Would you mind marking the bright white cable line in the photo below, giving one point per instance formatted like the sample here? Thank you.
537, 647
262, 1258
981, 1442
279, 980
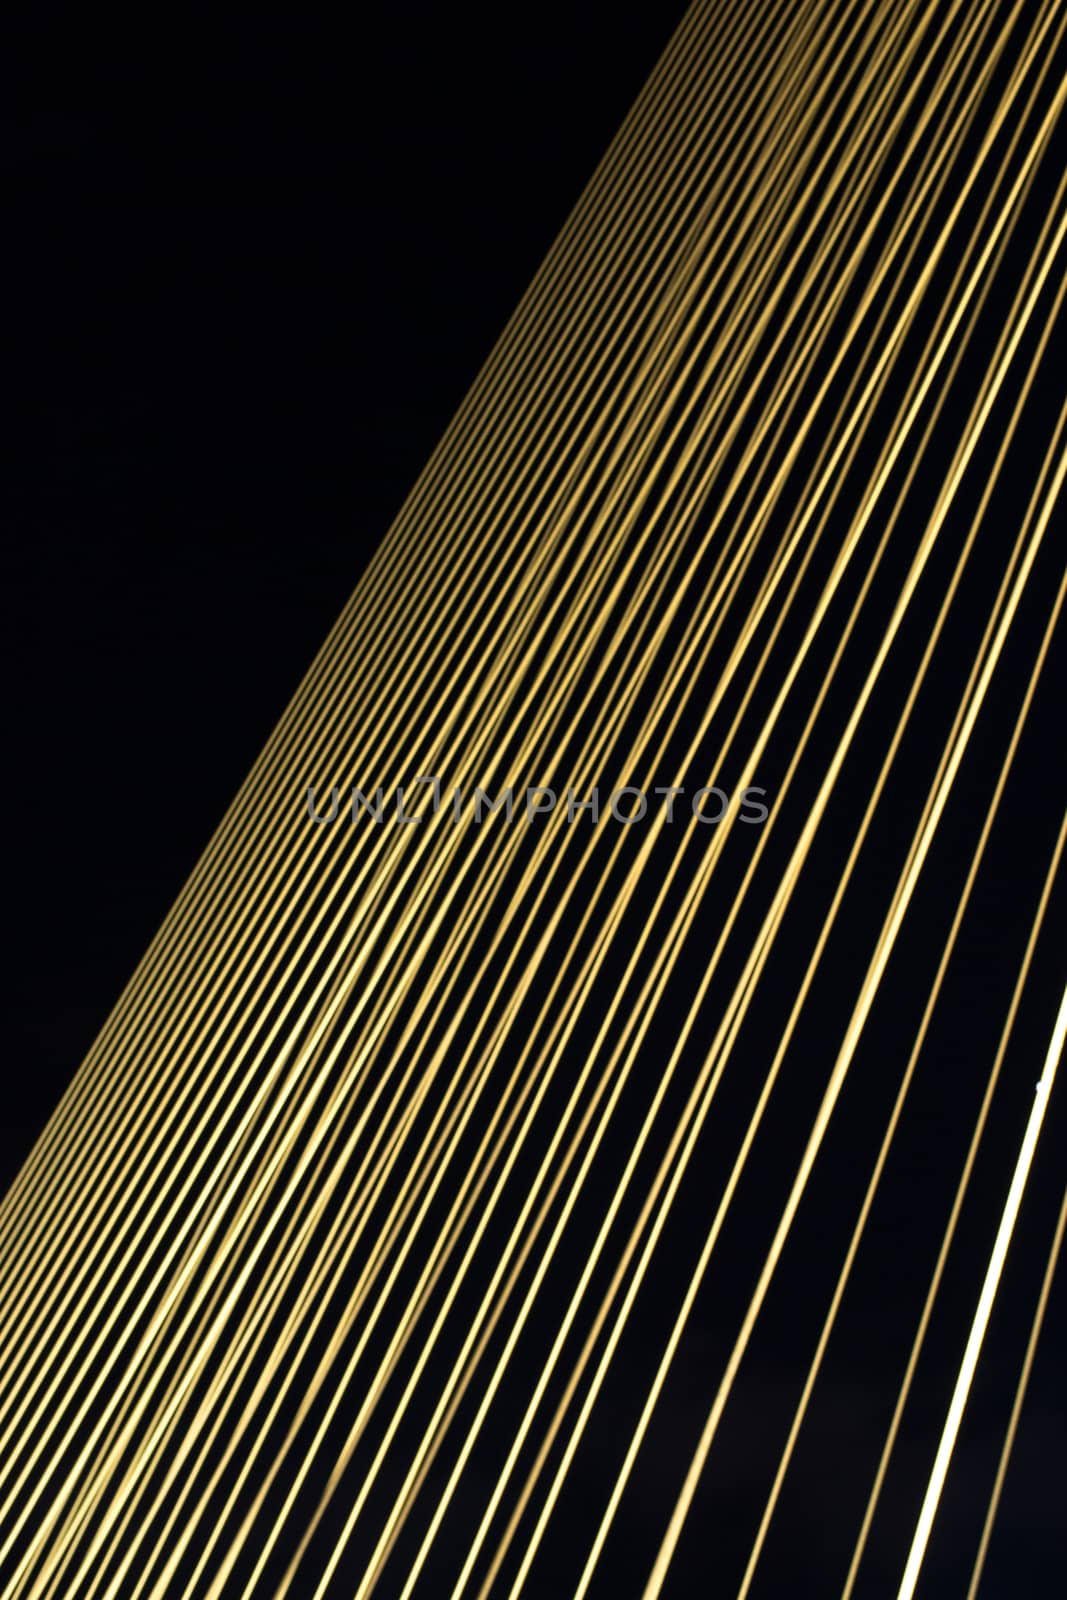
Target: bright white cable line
1020, 1397
984, 1307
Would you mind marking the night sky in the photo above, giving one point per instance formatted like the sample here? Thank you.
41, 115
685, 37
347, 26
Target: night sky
252, 273
254, 269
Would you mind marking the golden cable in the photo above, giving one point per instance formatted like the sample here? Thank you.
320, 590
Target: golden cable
343, 1101
935, 805
801, 743
902, 1092
737, 1170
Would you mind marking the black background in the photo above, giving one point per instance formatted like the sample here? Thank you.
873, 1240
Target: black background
252, 269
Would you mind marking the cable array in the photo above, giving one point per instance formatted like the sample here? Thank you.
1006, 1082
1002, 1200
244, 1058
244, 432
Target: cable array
472, 1201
